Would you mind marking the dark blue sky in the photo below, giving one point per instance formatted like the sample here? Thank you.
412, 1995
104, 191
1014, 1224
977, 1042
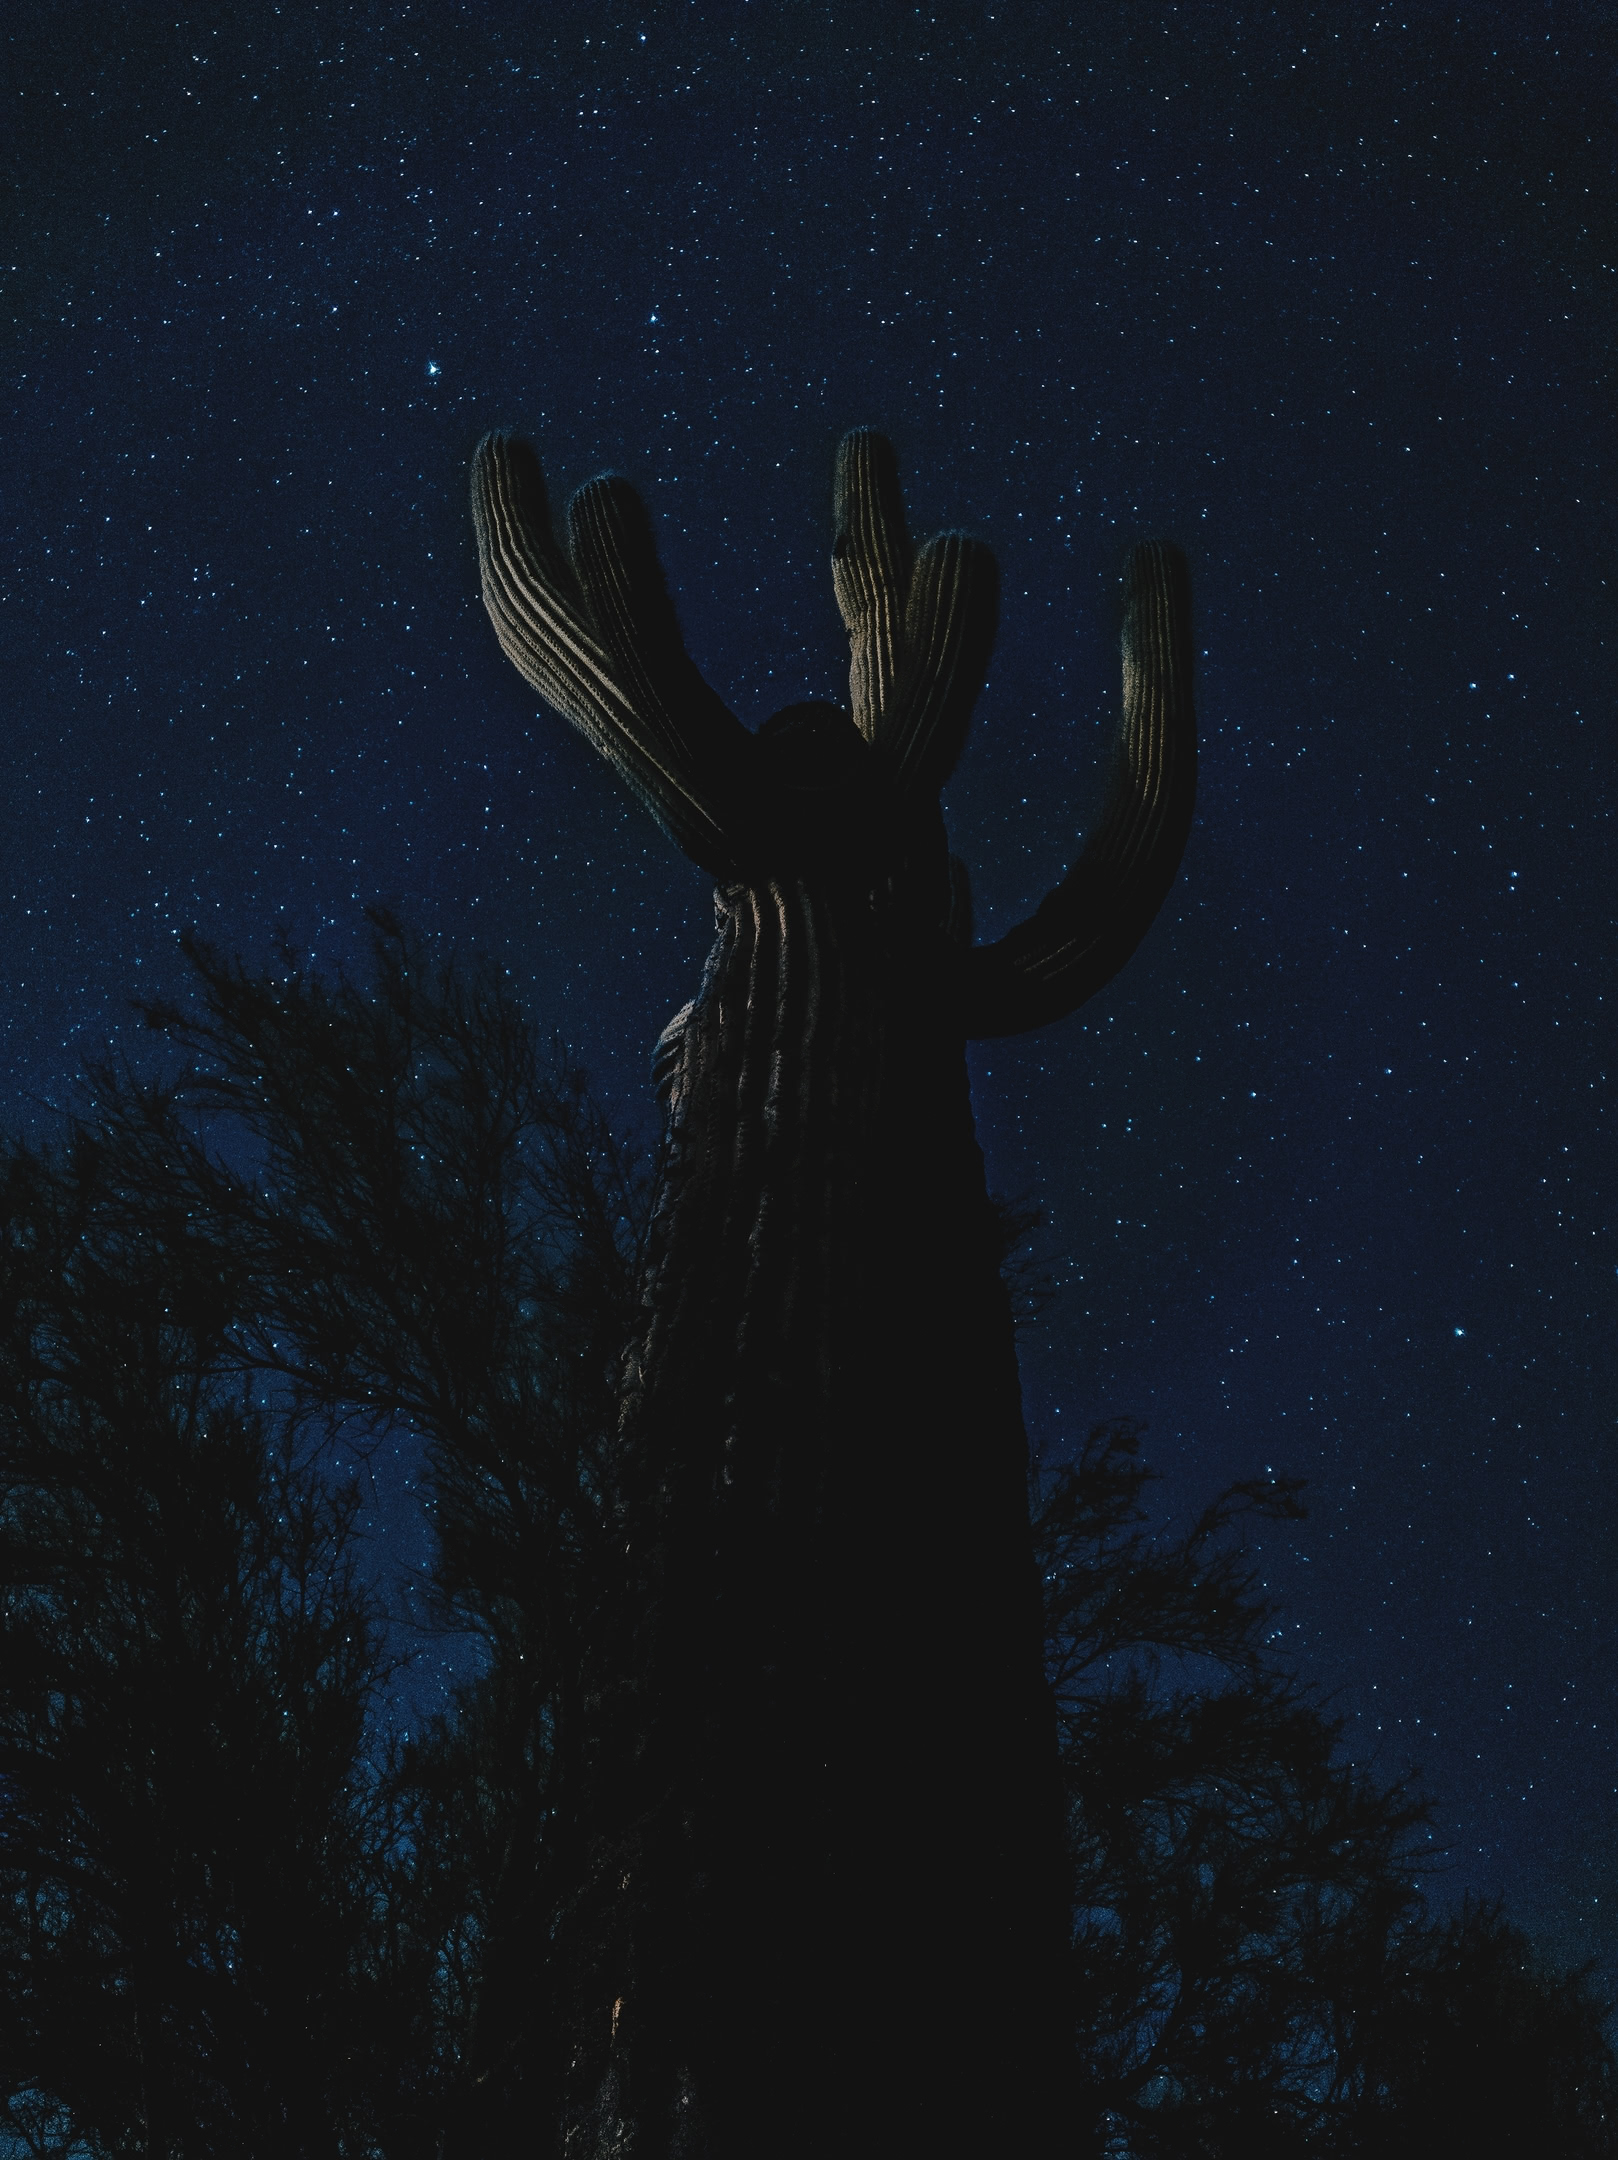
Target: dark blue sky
1323, 293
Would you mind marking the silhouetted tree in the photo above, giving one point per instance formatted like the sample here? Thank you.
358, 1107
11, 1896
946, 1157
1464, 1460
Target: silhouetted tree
351, 1209
192, 1839
1256, 1974
1474, 2045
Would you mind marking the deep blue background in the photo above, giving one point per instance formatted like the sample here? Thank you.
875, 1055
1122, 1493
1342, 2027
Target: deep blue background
1324, 293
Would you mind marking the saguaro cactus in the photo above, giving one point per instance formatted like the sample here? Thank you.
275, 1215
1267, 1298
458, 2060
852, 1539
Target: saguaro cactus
828, 1908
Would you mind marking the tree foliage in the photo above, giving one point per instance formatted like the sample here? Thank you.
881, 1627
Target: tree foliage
195, 1842
241, 1913
1255, 1969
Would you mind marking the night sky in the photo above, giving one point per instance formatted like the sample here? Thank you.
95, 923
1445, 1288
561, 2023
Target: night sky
1325, 294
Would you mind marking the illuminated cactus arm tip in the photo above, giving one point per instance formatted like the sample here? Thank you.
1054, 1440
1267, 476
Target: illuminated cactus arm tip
595, 633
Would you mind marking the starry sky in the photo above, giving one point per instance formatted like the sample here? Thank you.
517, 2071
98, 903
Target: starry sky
1324, 293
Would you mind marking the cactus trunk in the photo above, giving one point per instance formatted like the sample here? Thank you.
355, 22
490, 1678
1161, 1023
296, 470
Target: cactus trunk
839, 1907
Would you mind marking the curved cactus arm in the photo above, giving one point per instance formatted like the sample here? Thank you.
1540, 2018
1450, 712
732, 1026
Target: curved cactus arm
598, 639
950, 621
921, 627
1082, 933
870, 570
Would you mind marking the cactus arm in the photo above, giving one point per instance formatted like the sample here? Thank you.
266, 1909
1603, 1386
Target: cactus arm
921, 627
1082, 932
950, 621
870, 568
615, 558
599, 641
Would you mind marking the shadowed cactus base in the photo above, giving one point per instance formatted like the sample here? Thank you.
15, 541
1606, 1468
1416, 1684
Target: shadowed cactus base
828, 1904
